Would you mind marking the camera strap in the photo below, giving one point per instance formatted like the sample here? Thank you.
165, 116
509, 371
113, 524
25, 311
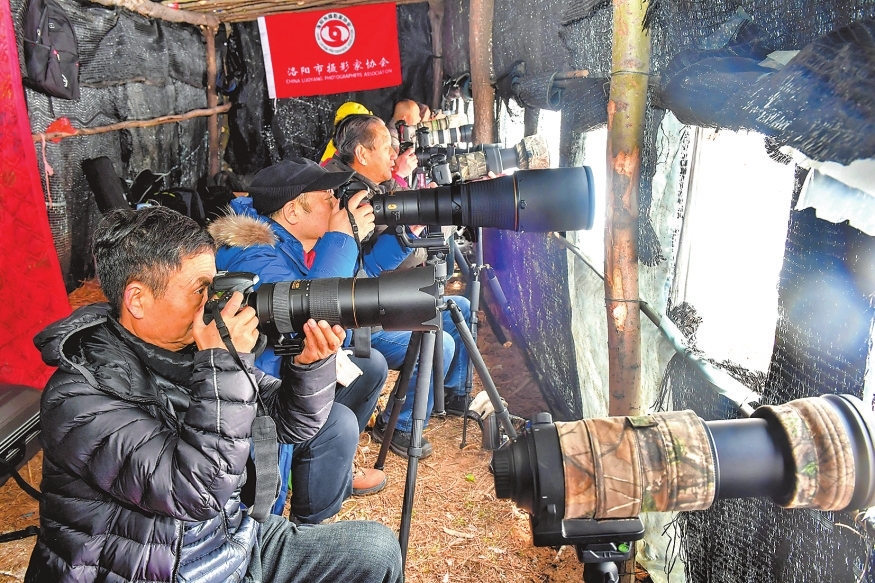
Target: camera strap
361, 337
264, 439
359, 264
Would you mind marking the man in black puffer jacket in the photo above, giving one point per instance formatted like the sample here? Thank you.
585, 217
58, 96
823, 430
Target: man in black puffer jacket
146, 429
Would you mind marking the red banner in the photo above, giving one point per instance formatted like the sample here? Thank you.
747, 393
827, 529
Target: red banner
331, 51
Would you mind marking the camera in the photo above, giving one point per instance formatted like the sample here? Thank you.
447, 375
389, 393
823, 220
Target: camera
553, 199
447, 130
396, 300
348, 189
445, 165
809, 453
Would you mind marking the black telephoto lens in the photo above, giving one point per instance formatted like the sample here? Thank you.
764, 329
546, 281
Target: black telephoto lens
555, 199
396, 300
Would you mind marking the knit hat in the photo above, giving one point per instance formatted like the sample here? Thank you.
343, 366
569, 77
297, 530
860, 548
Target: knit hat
349, 108
278, 184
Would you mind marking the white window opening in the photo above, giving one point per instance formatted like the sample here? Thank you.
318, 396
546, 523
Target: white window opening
732, 245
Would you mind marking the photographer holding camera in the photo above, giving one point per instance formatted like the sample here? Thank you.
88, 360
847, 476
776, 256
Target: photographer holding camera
148, 421
364, 146
292, 226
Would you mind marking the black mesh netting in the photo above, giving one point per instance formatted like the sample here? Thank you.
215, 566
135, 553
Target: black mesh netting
132, 68
265, 131
822, 343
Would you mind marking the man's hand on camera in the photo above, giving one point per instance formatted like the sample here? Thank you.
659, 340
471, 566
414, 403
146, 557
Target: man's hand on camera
242, 326
405, 163
320, 341
362, 214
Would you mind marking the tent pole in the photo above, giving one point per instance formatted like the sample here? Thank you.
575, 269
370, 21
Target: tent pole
626, 107
480, 43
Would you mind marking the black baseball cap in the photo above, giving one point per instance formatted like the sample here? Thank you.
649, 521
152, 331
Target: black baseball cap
278, 184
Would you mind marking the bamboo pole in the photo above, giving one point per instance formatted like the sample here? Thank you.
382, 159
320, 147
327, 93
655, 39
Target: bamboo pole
134, 123
626, 108
480, 43
212, 101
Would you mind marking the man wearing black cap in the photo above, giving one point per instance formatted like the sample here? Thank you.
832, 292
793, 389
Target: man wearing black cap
292, 227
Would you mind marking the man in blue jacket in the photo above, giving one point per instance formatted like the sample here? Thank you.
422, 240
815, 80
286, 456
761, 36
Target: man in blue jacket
290, 227
148, 421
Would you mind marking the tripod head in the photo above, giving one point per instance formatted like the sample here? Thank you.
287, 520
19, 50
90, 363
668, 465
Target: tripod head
600, 544
437, 249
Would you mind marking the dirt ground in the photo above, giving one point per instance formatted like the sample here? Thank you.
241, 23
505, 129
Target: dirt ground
459, 531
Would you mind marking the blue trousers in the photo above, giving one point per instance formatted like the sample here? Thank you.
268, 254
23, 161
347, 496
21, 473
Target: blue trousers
393, 345
352, 551
321, 467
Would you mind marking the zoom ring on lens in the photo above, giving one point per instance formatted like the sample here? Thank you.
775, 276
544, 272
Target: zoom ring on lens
280, 307
323, 300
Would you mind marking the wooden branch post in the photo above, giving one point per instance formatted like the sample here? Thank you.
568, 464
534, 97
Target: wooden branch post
626, 107
480, 44
436, 17
212, 101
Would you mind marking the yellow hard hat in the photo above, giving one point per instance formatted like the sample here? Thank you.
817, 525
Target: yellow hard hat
349, 108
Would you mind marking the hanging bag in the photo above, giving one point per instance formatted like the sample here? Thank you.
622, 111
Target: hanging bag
51, 54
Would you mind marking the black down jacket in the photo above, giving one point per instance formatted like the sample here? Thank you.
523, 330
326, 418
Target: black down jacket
144, 454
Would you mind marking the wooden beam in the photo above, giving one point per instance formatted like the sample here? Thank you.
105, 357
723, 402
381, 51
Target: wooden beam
246, 10
162, 12
133, 123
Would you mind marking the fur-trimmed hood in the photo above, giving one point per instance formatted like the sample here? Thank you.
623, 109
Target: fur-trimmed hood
242, 230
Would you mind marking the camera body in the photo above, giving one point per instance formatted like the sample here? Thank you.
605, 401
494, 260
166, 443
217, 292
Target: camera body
223, 286
348, 189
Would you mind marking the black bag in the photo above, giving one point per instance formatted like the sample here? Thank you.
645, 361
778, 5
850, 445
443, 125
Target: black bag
51, 54
185, 201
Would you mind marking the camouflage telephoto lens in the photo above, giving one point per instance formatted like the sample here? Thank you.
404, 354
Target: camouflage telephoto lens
809, 453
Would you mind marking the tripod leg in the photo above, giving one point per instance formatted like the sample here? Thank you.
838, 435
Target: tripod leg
399, 396
438, 371
474, 298
500, 412
420, 405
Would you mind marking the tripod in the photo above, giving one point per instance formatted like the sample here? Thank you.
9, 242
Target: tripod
474, 273
422, 344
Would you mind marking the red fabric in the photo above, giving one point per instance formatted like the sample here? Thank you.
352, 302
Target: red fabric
323, 52
31, 285
309, 258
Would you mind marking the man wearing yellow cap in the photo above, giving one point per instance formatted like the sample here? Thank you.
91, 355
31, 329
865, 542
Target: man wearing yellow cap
345, 109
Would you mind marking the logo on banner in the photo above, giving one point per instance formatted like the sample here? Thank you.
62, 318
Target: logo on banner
323, 52
335, 33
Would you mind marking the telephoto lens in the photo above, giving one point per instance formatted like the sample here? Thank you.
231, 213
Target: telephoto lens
396, 300
809, 453
554, 199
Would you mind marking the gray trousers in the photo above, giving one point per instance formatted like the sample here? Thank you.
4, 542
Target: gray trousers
352, 551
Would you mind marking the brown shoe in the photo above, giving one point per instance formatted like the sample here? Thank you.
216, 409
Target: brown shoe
367, 481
